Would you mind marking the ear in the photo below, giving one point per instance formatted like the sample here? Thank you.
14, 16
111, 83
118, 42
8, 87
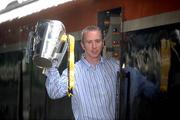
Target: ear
82, 45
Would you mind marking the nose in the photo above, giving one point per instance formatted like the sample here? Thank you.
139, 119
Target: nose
94, 44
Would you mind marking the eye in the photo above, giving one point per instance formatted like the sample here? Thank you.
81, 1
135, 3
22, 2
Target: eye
89, 42
98, 40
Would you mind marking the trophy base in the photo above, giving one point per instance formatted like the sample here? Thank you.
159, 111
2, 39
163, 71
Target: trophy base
42, 62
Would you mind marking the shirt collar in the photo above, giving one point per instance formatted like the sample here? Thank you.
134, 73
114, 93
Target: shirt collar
88, 65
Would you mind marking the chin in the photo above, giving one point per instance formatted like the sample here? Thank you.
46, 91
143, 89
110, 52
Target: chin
96, 56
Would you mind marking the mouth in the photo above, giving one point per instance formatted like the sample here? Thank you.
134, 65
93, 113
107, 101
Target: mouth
94, 51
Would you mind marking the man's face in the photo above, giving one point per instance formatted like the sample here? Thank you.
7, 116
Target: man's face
92, 44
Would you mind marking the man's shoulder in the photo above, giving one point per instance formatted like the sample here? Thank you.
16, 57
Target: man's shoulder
111, 59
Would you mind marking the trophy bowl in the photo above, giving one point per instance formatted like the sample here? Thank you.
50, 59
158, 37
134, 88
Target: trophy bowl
46, 42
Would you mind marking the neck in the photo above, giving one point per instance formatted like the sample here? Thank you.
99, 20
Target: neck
93, 61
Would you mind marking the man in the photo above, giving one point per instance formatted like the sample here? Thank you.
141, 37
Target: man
95, 80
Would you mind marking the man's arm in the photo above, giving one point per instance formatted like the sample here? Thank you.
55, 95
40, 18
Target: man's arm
56, 85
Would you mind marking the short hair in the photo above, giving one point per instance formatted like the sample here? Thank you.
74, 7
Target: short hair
88, 29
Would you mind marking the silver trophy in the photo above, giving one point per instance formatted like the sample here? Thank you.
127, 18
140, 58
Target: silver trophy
45, 45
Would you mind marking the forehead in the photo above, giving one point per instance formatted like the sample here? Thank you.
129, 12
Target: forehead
95, 34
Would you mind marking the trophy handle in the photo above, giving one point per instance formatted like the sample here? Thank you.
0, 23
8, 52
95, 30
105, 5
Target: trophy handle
29, 49
62, 50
